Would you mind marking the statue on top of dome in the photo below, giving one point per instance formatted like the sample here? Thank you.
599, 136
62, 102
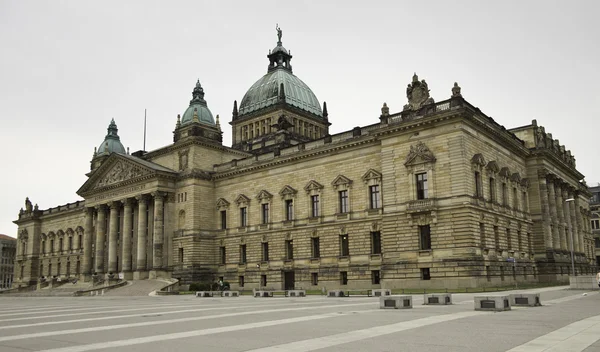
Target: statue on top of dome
279, 33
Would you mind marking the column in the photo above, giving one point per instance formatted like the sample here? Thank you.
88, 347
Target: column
142, 234
126, 235
580, 224
100, 238
87, 241
158, 229
553, 215
112, 236
572, 209
544, 204
560, 211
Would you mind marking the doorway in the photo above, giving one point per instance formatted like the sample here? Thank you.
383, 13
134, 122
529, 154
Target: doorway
289, 281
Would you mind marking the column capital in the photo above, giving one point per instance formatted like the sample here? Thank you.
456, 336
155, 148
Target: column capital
127, 202
142, 198
159, 195
101, 207
114, 205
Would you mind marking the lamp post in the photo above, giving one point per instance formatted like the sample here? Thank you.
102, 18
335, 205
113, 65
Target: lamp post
572, 253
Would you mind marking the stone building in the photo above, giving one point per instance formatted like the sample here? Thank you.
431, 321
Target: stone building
435, 195
8, 248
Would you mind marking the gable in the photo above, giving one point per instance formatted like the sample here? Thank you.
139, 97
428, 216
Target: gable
242, 199
119, 169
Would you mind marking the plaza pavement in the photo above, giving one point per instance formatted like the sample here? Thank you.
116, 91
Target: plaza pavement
567, 321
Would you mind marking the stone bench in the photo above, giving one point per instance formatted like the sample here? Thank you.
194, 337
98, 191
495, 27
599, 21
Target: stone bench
336, 293
205, 293
525, 299
295, 293
264, 293
493, 303
437, 298
395, 302
381, 292
231, 294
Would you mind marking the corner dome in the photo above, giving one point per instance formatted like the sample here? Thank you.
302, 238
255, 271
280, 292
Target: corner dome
112, 142
280, 85
197, 107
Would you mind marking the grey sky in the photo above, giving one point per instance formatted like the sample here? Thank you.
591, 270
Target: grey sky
68, 67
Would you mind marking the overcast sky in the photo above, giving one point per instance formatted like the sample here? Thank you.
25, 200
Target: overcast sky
68, 67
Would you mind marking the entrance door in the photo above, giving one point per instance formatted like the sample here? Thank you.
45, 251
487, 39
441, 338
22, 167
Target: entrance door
288, 280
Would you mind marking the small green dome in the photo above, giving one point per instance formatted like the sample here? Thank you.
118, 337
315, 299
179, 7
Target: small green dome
197, 106
112, 142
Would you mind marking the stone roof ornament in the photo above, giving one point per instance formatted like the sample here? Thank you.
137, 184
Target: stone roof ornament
279, 33
28, 207
456, 90
385, 111
418, 94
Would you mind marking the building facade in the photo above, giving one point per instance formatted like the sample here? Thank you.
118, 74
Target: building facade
8, 249
435, 195
595, 220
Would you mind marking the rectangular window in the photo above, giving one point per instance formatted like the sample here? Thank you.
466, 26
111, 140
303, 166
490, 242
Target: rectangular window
51, 246
181, 255
314, 279
375, 197
60, 244
80, 241
344, 246
223, 219
343, 278
314, 201
265, 213
243, 254
496, 237
597, 242
524, 200
243, 217
508, 239
265, 251
289, 209
263, 280
502, 273
70, 243
240, 281
478, 186
375, 277
515, 199
482, 234
492, 189
424, 237
289, 249
422, 188
504, 194
222, 255
488, 275
425, 274
43, 247
315, 247
519, 241
375, 242
343, 199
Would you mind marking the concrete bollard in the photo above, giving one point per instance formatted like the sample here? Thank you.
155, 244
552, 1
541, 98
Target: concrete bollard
437, 298
525, 299
395, 302
492, 303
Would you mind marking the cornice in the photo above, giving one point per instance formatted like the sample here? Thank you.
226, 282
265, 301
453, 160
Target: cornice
279, 106
192, 141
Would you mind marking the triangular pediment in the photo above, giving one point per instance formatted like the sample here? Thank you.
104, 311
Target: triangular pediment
341, 180
241, 199
264, 195
419, 154
121, 169
287, 191
222, 203
371, 174
313, 185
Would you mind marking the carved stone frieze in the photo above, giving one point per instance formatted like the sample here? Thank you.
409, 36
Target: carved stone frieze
121, 171
419, 154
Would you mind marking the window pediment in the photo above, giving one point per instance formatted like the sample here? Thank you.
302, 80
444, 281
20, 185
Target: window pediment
371, 175
492, 167
313, 185
341, 180
419, 154
505, 172
287, 191
242, 199
264, 196
478, 160
515, 177
222, 203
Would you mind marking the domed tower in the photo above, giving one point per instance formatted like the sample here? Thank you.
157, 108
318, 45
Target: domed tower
278, 110
197, 120
111, 144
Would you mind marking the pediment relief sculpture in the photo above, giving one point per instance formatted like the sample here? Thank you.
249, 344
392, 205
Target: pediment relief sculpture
313, 185
341, 180
371, 175
264, 195
242, 199
120, 171
419, 154
287, 191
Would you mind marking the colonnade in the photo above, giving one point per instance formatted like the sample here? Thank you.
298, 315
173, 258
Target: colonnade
111, 227
563, 209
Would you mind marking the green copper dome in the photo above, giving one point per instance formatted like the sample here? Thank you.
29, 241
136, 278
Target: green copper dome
112, 142
197, 107
279, 85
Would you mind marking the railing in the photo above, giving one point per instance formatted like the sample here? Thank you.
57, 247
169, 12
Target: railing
421, 204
